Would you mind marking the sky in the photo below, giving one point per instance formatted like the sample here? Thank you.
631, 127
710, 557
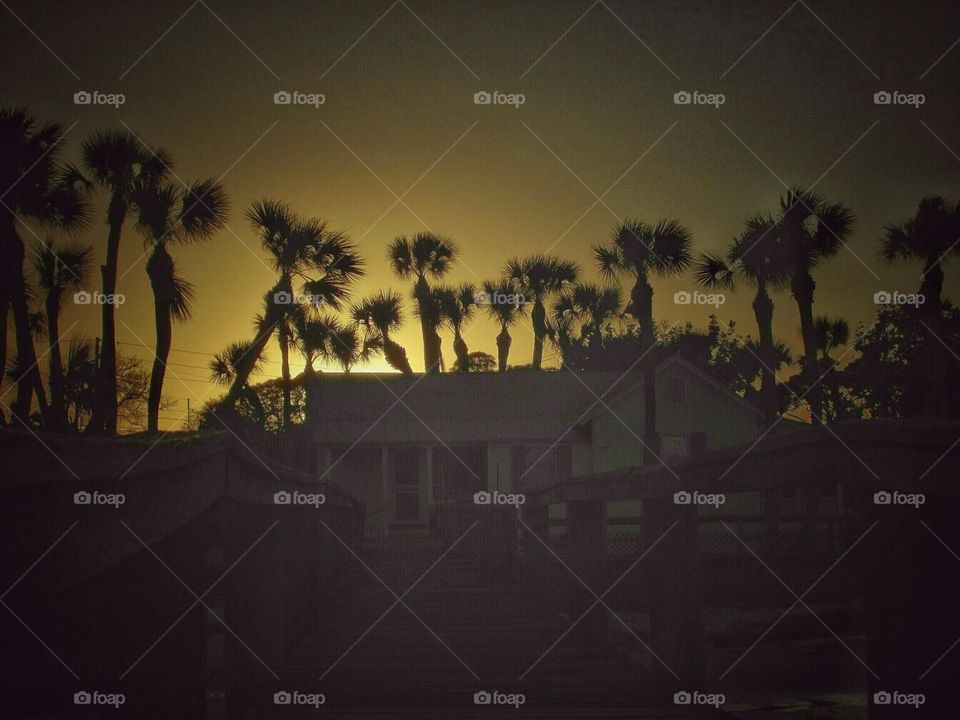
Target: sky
399, 145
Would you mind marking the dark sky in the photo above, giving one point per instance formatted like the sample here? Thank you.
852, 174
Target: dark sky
599, 81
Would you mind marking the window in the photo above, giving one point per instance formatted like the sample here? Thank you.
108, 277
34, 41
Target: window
673, 389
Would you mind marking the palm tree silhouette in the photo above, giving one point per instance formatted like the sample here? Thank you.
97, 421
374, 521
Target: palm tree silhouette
424, 256
504, 305
117, 162
224, 368
757, 257
812, 231
169, 215
58, 271
348, 347
931, 237
832, 333
457, 306
590, 307
540, 277
381, 315
639, 249
35, 186
324, 261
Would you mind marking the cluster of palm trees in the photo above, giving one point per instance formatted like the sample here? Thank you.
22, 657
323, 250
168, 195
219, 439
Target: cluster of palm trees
309, 309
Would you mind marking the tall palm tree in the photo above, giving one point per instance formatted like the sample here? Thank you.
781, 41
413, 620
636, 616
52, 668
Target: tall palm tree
540, 277
831, 335
169, 215
80, 377
224, 368
504, 305
640, 250
931, 237
458, 306
424, 256
315, 338
590, 307
305, 251
59, 270
812, 231
381, 315
36, 187
756, 256
117, 162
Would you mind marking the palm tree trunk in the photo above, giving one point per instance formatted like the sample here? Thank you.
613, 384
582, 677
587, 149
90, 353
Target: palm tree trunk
245, 366
803, 286
641, 298
28, 374
539, 317
58, 400
285, 372
105, 406
395, 355
503, 348
164, 333
461, 350
763, 311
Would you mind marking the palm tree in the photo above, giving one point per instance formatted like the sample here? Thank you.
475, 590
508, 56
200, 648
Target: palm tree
831, 334
540, 277
381, 315
424, 256
58, 271
168, 215
756, 256
224, 368
458, 305
929, 236
640, 250
80, 377
322, 260
34, 186
812, 230
504, 305
348, 347
117, 162
589, 306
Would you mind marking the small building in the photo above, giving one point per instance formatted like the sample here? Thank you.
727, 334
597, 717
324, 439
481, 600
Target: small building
403, 445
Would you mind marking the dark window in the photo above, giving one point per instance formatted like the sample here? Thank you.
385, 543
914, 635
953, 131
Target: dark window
673, 390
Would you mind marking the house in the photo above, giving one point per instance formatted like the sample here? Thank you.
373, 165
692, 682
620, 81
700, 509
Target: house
403, 445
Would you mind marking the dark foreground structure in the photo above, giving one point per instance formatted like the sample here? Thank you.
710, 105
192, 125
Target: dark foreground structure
814, 573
